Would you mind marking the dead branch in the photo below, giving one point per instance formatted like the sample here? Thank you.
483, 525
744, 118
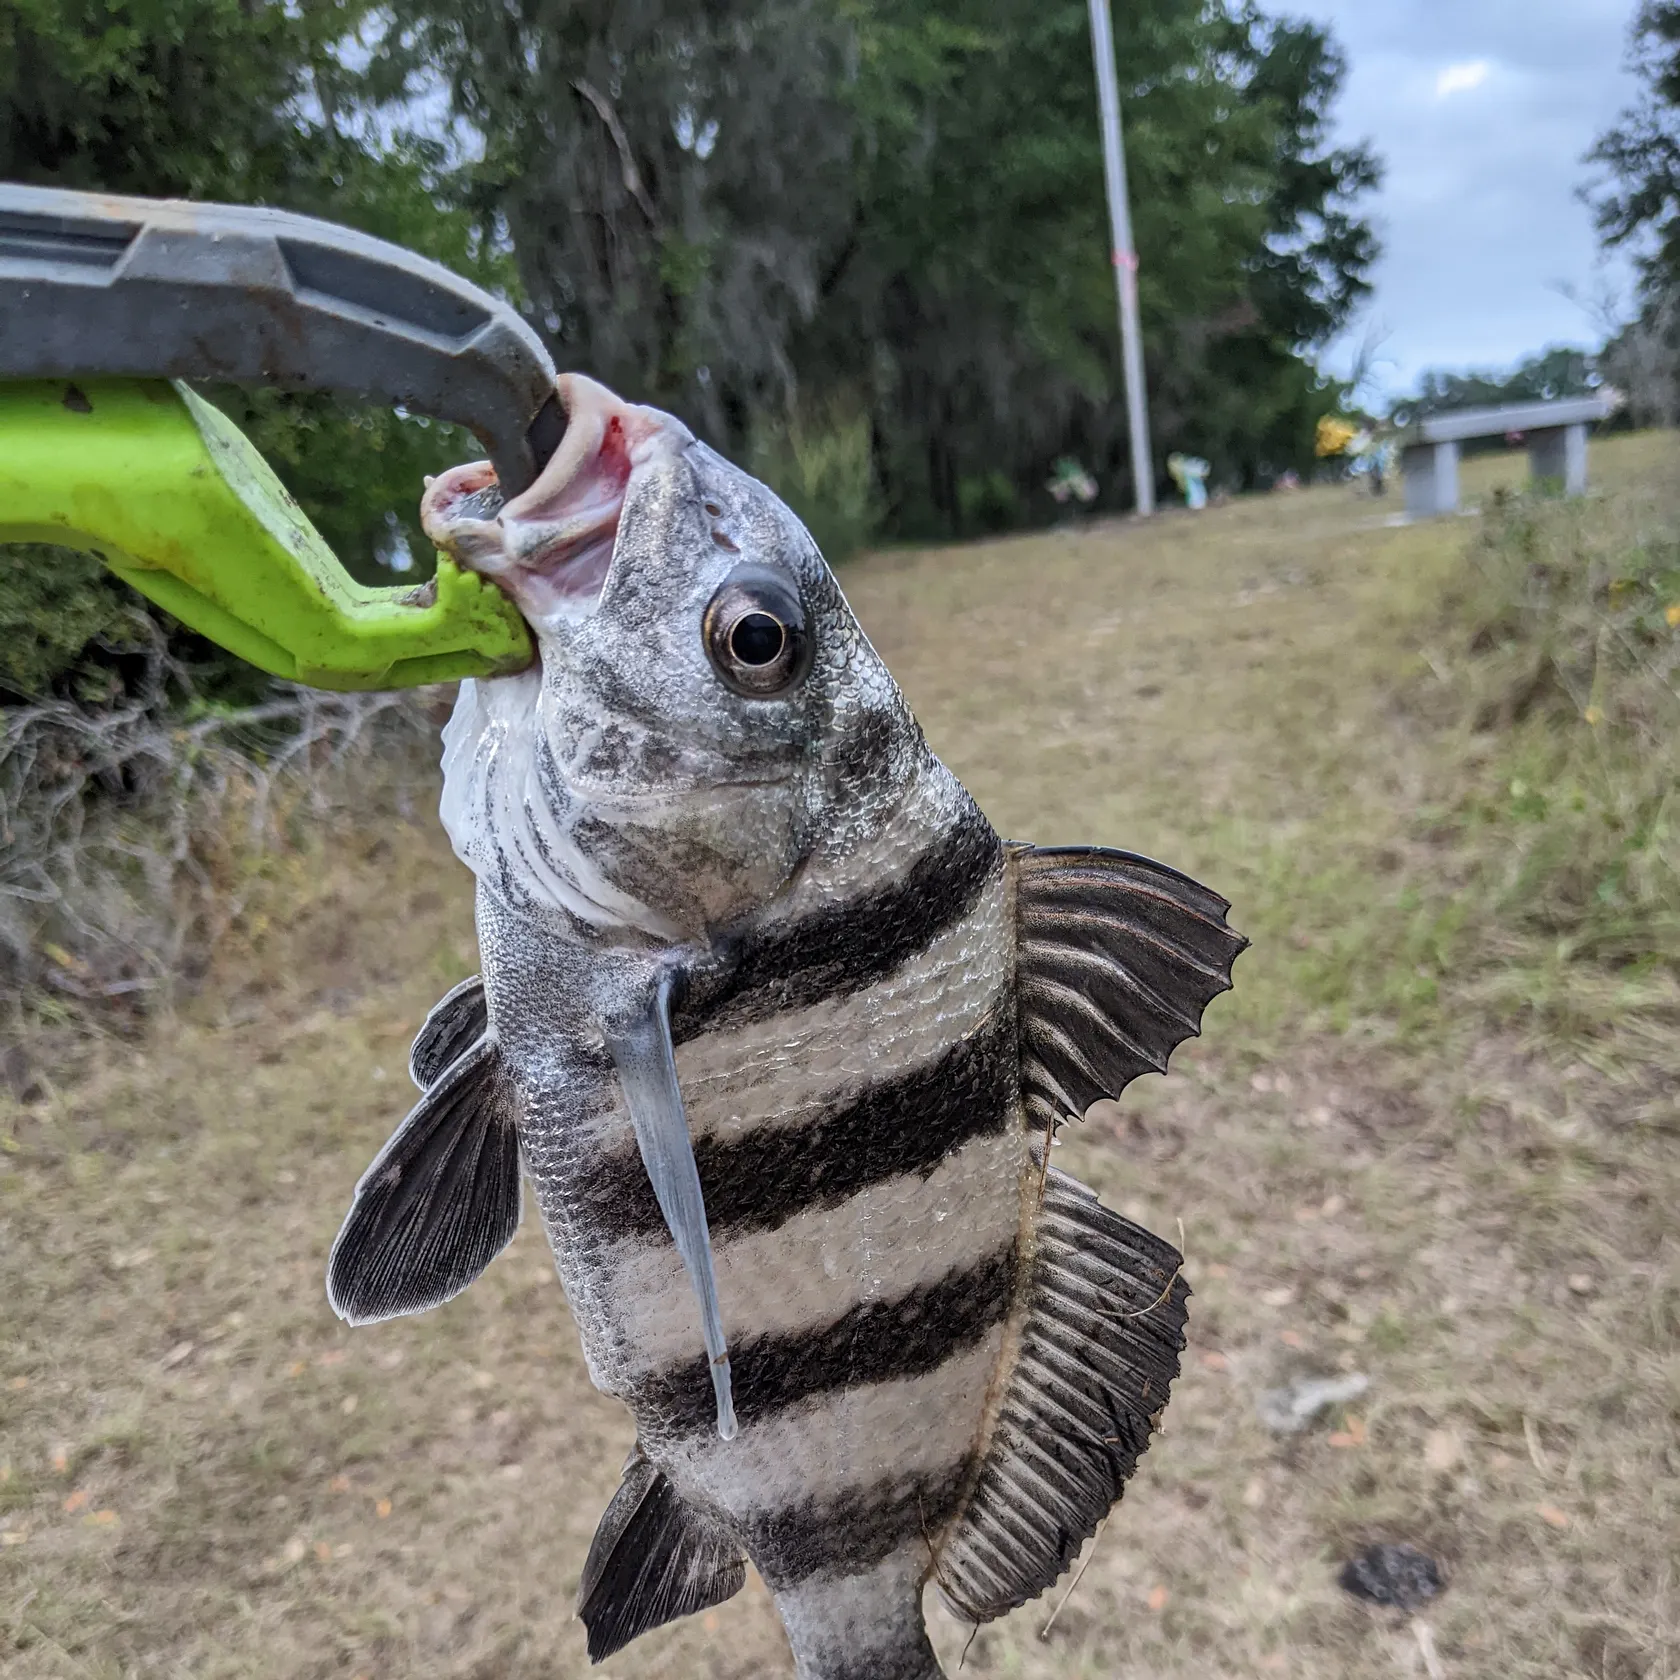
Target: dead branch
111, 819
627, 162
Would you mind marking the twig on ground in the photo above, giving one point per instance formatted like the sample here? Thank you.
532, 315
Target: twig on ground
1073, 1586
1425, 1637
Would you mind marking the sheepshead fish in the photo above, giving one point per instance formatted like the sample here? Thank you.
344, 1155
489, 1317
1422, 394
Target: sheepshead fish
780, 1031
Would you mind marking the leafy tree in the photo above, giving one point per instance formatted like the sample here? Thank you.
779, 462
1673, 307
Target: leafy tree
1642, 361
196, 98
670, 177
1555, 373
862, 243
775, 215
1640, 201
250, 101
977, 269
1638, 205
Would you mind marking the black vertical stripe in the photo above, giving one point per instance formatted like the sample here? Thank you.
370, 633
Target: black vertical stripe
842, 948
855, 1530
905, 1124
909, 1658
874, 1342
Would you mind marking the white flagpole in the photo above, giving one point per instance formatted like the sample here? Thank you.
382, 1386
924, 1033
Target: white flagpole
1125, 258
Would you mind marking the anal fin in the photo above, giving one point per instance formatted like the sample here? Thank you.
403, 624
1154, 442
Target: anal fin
654, 1558
1099, 1349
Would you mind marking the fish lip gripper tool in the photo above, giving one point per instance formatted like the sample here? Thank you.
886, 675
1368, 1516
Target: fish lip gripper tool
109, 304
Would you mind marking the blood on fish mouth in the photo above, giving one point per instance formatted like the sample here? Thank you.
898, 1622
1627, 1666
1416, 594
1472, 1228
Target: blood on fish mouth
485, 504
551, 546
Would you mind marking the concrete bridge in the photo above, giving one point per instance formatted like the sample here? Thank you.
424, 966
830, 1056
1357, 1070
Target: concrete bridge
1556, 433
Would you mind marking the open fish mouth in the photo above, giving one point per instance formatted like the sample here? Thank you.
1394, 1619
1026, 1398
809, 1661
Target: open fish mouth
551, 547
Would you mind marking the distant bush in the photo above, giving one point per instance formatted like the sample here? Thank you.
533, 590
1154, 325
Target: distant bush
822, 465
987, 502
1570, 619
55, 603
71, 630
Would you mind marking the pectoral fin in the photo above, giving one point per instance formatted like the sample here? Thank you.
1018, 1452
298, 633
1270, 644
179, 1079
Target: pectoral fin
653, 1559
439, 1203
640, 1046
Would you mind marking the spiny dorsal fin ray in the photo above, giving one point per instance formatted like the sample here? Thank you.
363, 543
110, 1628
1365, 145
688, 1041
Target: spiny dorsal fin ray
652, 1560
1118, 957
457, 1022
1098, 1353
439, 1203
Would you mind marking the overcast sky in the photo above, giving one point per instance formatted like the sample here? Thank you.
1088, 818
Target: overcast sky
1481, 110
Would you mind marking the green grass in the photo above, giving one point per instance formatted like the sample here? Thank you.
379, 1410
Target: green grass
1430, 1136
1567, 624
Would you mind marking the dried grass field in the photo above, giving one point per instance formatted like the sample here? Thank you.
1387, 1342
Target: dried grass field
1431, 1137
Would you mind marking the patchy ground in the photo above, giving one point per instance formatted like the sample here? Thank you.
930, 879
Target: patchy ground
202, 1473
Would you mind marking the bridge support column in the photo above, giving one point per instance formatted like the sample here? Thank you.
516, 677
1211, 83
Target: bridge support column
1430, 472
1559, 453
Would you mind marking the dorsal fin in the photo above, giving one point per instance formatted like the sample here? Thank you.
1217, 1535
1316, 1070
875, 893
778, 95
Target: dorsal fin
1117, 958
1098, 1351
653, 1559
440, 1202
457, 1021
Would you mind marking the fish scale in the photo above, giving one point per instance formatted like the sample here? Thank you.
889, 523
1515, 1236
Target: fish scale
778, 1029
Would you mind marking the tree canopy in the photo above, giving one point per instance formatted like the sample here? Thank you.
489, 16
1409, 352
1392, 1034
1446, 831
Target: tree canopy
1639, 203
1638, 207
252, 102
778, 214
1553, 374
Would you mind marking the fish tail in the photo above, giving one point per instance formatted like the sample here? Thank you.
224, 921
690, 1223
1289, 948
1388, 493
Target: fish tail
867, 1626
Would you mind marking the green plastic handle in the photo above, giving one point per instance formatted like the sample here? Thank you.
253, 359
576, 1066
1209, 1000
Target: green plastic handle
173, 498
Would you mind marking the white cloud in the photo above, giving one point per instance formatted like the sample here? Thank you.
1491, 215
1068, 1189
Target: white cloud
1461, 78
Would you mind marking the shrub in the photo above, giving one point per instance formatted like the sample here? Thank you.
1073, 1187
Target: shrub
822, 465
54, 602
1570, 619
988, 503
135, 834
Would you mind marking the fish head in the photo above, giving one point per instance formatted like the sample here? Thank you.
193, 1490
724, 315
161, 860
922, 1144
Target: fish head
708, 710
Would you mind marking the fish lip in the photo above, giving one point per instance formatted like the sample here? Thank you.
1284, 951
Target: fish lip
571, 558
552, 547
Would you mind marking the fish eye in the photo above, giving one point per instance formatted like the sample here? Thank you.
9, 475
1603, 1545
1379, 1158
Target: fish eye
755, 634
757, 638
